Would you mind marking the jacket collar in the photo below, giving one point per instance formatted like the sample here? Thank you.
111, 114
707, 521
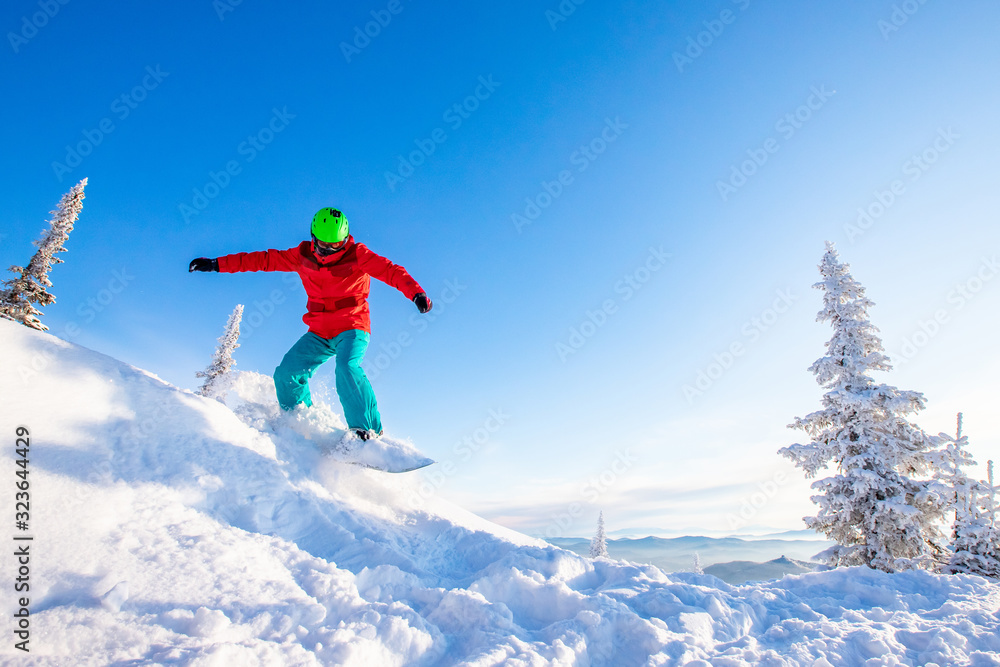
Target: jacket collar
335, 257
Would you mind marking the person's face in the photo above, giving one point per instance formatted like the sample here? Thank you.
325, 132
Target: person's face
324, 248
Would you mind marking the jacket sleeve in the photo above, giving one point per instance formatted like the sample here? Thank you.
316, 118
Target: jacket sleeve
265, 260
391, 274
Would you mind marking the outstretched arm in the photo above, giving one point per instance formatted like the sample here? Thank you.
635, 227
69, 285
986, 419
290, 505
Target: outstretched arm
265, 260
394, 275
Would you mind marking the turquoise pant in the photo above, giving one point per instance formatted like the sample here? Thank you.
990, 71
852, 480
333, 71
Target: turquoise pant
291, 377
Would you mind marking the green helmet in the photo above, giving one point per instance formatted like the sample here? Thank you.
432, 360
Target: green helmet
330, 225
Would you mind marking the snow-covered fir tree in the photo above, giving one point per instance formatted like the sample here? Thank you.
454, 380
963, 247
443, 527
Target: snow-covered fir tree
18, 296
599, 545
976, 535
697, 566
950, 463
959, 488
879, 507
216, 375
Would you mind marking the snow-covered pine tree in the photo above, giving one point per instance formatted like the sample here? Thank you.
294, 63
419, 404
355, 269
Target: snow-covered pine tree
949, 463
876, 507
976, 537
216, 374
991, 511
697, 567
957, 486
598, 545
30, 287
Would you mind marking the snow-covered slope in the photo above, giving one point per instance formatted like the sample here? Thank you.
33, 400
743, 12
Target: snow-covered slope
172, 529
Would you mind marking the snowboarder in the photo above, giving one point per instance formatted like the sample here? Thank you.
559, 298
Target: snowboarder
335, 272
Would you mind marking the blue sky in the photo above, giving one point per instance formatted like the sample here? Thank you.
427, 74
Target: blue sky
733, 137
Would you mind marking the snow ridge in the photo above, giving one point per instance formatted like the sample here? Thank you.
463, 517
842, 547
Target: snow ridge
174, 529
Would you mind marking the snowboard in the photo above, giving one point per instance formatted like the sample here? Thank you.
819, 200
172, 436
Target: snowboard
384, 454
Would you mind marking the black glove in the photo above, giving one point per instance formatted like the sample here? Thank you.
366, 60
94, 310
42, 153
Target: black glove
203, 264
423, 303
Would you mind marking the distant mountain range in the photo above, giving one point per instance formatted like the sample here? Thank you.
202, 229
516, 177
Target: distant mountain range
732, 559
745, 533
742, 571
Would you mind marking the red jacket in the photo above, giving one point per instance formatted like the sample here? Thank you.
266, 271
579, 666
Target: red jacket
337, 285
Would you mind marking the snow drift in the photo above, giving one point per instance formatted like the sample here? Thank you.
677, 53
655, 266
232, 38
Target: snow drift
172, 529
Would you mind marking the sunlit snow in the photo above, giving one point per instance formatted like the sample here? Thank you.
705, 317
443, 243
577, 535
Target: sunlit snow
172, 529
